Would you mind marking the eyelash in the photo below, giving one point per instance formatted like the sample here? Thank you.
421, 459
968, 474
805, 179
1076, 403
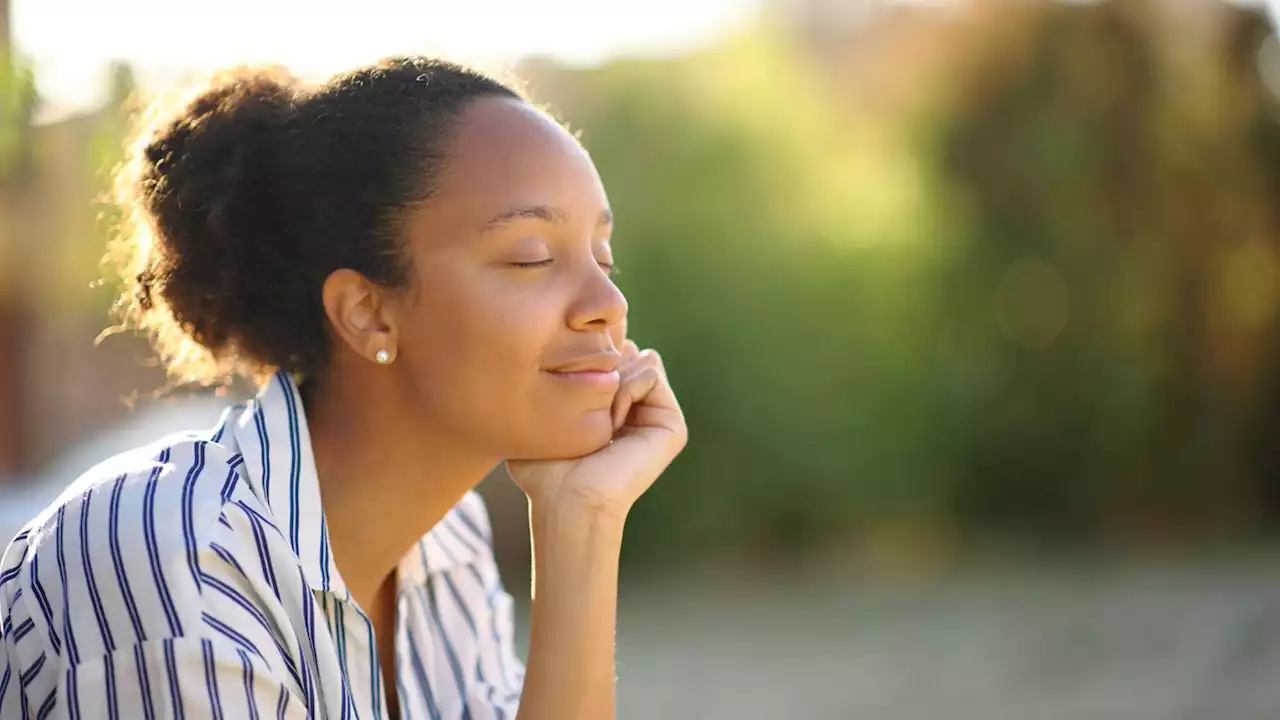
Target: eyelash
609, 268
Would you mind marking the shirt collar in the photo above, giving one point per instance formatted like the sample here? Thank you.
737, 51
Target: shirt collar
271, 431
461, 537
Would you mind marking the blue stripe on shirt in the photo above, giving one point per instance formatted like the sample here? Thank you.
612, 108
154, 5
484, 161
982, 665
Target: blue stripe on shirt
246, 671
211, 679
264, 447
153, 545
109, 671
73, 695
229, 485
295, 464
188, 512
117, 560
260, 542
450, 653
95, 599
10, 574
309, 626
171, 669
144, 683
232, 634
27, 626
4, 681
282, 704
420, 672
46, 707
67, 635
236, 597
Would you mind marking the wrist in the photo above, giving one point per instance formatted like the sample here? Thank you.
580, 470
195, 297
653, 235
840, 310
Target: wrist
573, 506
574, 548
569, 520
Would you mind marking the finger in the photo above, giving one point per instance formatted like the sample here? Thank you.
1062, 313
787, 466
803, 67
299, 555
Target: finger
646, 361
658, 408
636, 387
628, 372
633, 361
662, 396
629, 350
633, 391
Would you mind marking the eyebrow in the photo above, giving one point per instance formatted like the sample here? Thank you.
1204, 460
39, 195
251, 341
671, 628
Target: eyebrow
545, 213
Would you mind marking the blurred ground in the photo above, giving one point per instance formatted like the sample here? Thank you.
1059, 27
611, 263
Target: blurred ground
1166, 640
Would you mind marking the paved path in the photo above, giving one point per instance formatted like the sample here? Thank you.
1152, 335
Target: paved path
1134, 642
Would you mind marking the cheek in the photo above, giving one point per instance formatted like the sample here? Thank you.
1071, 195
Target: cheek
484, 339
476, 347
478, 357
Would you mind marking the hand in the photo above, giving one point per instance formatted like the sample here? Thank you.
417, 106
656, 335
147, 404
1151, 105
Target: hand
649, 431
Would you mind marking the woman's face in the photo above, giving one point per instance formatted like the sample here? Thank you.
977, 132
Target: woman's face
512, 263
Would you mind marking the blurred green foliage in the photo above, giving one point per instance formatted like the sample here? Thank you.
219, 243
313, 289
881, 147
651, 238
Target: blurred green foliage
1036, 302
772, 263
18, 104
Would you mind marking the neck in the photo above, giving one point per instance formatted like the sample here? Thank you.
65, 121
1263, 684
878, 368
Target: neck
385, 480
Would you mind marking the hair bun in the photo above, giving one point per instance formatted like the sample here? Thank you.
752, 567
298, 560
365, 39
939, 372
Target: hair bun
213, 159
207, 177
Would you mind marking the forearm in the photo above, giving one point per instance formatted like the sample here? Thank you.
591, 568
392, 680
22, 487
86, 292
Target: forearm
570, 671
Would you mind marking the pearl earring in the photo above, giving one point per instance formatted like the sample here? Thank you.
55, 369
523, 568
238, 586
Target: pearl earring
383, 357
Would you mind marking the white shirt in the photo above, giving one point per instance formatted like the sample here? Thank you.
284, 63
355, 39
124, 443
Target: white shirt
193, 579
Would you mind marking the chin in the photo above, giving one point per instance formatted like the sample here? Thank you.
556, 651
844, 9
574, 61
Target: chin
582, 435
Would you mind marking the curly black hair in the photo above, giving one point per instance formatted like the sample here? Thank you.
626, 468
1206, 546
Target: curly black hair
239, 202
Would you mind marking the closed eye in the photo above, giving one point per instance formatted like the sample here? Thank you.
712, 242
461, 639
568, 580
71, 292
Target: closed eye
610, 269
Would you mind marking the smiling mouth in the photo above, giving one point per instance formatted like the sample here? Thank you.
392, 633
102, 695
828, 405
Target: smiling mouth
597, 371
603, 380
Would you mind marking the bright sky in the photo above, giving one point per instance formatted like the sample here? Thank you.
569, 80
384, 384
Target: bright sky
71, 41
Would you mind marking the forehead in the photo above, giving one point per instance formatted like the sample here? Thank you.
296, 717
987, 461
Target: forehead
506, 153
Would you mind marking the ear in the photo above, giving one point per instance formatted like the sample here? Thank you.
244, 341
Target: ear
360, 313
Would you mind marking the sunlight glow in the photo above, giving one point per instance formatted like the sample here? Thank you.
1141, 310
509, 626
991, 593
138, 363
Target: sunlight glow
71, 42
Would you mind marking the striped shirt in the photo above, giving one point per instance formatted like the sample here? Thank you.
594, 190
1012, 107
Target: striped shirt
192, 578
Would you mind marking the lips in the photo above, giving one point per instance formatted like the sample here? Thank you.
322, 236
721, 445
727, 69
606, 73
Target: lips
599, 371
598, 363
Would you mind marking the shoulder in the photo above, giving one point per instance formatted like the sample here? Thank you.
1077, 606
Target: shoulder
472, 512
462, 538
466, 531
177, 483
113, 556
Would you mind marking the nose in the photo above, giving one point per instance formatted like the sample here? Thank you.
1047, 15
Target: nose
599, 306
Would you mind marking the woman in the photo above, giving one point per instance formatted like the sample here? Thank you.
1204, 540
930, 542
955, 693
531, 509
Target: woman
417, 263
